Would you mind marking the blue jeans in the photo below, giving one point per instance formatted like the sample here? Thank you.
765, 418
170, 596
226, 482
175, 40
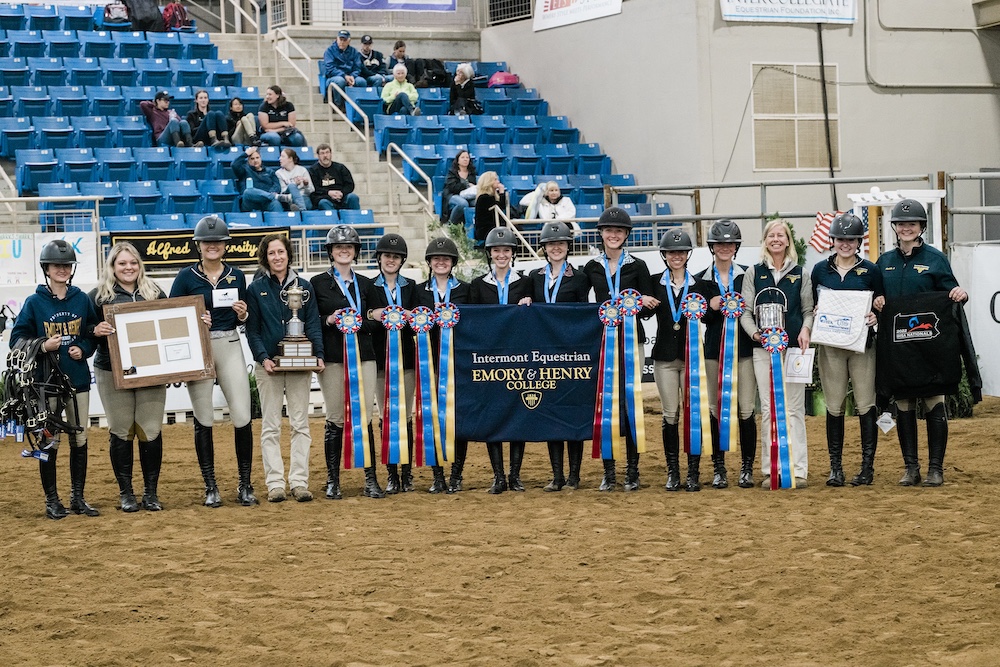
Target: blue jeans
296, 138
214, 121
178, 127
457, 205
255, 199
377, 80
350, 201
401, 105
342, 82
297, 197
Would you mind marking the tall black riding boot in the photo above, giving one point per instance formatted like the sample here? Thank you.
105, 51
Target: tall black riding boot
78, 481
244, 464
516, 457
869, 441
720, 478
835, 445
906, 429
671, 454
937, 442
748, 451
121, 463
333, 444
608, 482
575, 448
694, 471
461, 451
392, 479
556, 460
440, 484
631, 469
204, 447
54, 508
495, 451
372, 488
150, 459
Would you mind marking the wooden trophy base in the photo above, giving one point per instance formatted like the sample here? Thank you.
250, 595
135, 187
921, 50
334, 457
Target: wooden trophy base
296, 355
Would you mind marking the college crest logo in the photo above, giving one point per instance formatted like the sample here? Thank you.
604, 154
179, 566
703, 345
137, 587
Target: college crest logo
920, 268
792, 279
861, 271
914, 326
531, 399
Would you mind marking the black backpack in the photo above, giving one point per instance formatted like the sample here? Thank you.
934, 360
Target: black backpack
145, 15
431, 73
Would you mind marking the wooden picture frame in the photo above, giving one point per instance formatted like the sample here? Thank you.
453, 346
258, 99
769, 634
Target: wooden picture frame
158, 342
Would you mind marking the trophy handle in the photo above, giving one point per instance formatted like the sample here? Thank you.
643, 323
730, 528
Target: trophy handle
305, 297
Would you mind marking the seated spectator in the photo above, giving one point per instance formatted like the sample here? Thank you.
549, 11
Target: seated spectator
399, 95
175, 17
463, 93
294, 178
491, 194
168, 127
259, 188
208, 127
333, 185
373, 67
546, 202
342, 65
459, 189
398, 57
242, 126
276, 117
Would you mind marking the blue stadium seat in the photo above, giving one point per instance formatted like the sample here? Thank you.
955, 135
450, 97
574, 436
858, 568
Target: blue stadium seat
15, 134
219, 195
118, 71
4, 44
556, 158
6, 102
425, 156
245, 219
96, 44
518, 185
458, 129
105, 100
451, 66
530, 106
426, 130
589, 211
449, 151
590, 188
270, 155
364, 216
590, 159
61, 43
367, 98
487, 157
130, 45
31, 100
112, 202
218, 98
14, 71
222, 73
488, 68
153, 72
34, 166
165, 45
69, 100
76, 165
83, 71
307, 155
129, 131
223, 161
142, 197
557, 130
251, 96
166, 221
198, 45
154, 164
325, 218
53, 132
182, 197
490, 129
91, 131
434, 101
437, 185
58, 190
42, 17
190, 73
12, 17
282, 218
115, 164
135, 94
193, 164
75, 18
523, 130
624, 180
26, 43
183, 98
123, 223
47, 71
391, 129
495, 101
522, 159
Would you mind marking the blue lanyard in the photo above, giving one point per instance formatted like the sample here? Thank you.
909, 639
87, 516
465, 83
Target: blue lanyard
388, 292
347, 290
665, 281
553, 292
613, 286
504, 289
718, 279
447, 291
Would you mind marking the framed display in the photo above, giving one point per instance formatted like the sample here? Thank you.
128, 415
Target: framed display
158, 342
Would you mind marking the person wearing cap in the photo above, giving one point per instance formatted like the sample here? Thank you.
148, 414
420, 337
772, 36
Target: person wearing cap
724, 240
840, 369
912, 267
373, 67
779, 268
65, 317
669, 364
169, 129
440, 287
398, 57
502, 285
276, 117
224, 289
391, 288
560, 282
260, 188
342, 65
266, 327
610, 273
333, 183
399, 96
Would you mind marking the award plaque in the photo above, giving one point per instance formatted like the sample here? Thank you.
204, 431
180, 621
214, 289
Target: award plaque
296, 352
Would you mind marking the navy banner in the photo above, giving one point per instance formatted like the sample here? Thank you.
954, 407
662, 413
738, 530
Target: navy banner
527, 372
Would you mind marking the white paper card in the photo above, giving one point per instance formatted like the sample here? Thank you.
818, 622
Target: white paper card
885, 422
225, 298
799, 365
840, 319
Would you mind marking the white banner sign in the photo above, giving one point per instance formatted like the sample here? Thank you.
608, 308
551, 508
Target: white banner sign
789, 11
85, 245
554, 13
17, 254
975, 266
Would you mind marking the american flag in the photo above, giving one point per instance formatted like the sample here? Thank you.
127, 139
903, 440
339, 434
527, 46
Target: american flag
820, 239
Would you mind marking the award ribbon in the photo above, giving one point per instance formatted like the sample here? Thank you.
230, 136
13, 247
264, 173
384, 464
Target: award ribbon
630, 303
694, 308
357, 445
775, 341
733, 306
446, 316
607, 418
395, 434
426, 434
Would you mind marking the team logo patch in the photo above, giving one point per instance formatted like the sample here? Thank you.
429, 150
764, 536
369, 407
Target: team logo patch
531, 399
915, 326
862, 271
792, 279
920, 268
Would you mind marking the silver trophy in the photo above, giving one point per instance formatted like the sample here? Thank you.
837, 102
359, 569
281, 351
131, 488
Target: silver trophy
770, 313
296, 350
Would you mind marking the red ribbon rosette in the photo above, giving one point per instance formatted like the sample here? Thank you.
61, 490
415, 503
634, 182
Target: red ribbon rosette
421, 319
774, 339
347, 320
733, 305
630, 302
394, 318
610, 313
694, 306
446, 315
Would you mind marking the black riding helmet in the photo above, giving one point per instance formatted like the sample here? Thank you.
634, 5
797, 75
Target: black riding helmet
674, 240
442, 246
847, 226
909, 210
211, 228
724, 231
342, 234
391, 243
57, 251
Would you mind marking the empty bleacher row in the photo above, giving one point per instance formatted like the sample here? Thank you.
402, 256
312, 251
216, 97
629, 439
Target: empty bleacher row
23, 16
117, 71
106, 44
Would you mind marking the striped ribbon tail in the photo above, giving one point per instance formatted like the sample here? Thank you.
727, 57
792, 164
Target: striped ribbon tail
686, 396
697, 384
728, 378
446, 316
426, 435
630, 303
394, 423
608, 442
357, 452
779, 436
599, 421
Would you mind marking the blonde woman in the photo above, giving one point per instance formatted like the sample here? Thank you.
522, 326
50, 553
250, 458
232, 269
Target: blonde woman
130, 412
490, 192
779, 267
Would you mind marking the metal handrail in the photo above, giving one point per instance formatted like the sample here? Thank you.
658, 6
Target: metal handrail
237, 9
365, 136
953, 210
429, 199
283, 33
500, 214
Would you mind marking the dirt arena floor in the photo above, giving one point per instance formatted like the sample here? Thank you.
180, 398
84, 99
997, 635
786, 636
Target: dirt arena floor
820, 576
